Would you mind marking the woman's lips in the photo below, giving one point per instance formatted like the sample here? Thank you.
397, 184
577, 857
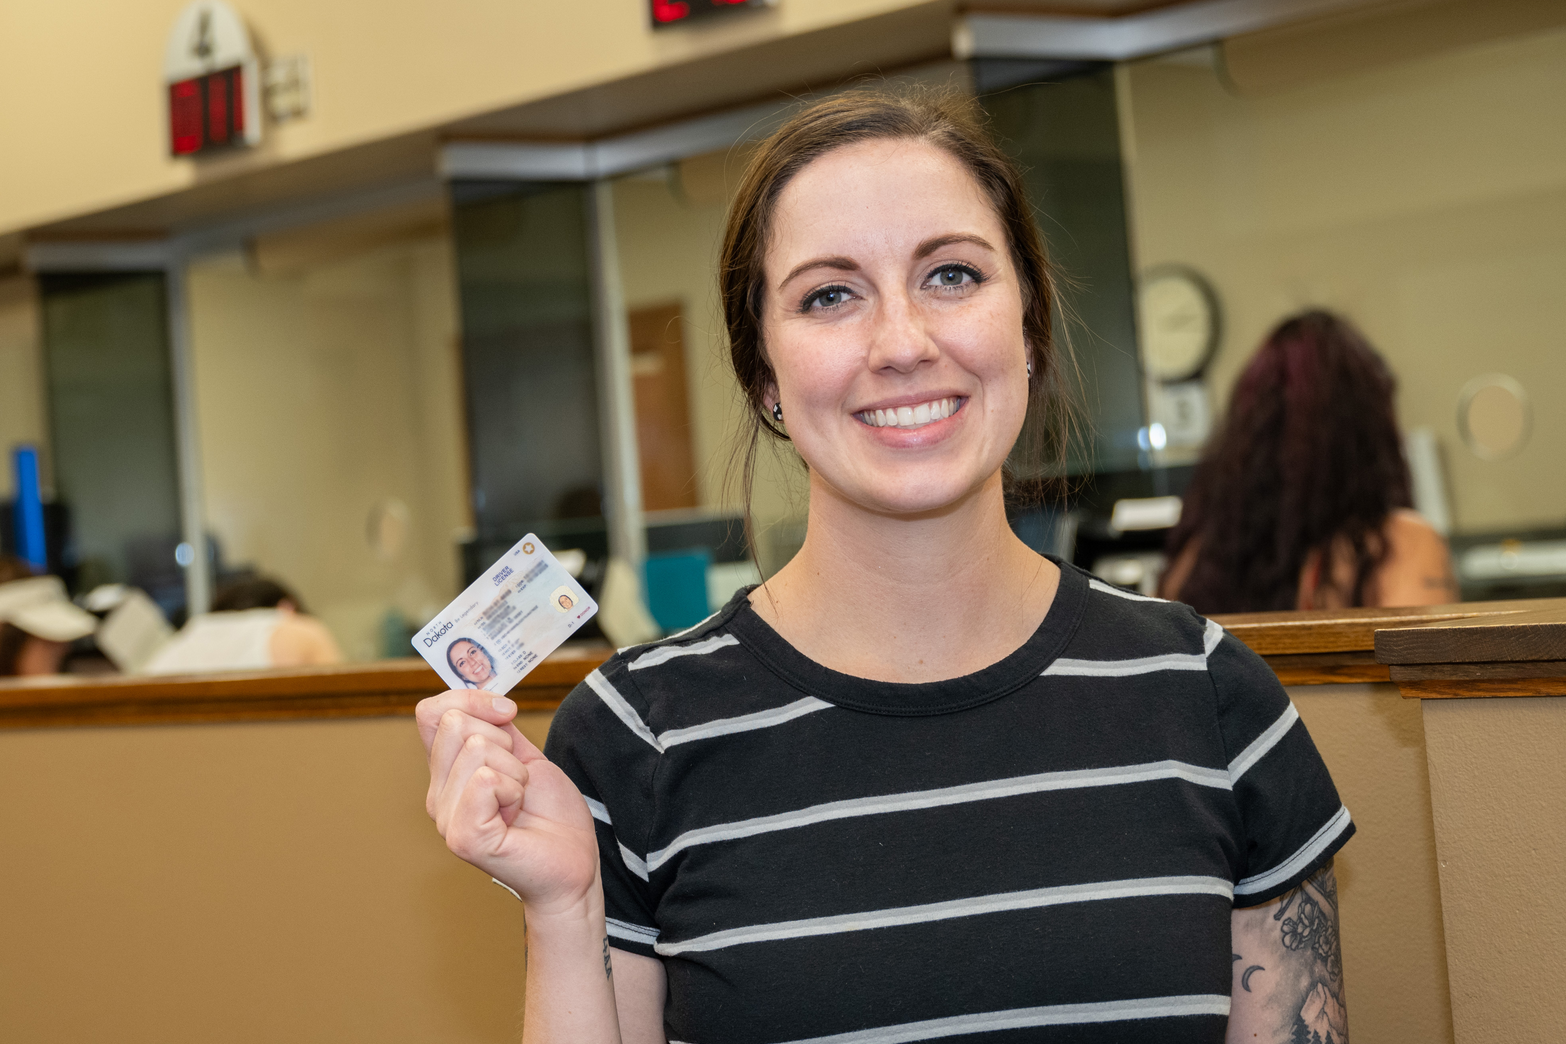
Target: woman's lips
912, 416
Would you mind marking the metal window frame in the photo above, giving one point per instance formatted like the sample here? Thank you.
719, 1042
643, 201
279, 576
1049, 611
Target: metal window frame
1129, 36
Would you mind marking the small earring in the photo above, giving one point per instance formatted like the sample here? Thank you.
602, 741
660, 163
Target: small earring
1030, 367
777, 412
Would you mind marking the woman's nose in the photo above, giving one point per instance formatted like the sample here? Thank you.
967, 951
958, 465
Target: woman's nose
901, 339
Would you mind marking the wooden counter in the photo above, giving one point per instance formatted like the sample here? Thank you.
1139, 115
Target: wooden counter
1327, 646
1492, 691
251, 861
362, 690
1304, 648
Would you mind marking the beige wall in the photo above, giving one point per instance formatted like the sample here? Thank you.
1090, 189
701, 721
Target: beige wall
1394, 956
325, 386
22, 418
1425, 199
378, 70
1499, 782
243, 883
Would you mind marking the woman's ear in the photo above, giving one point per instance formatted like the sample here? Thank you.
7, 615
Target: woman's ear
770, 397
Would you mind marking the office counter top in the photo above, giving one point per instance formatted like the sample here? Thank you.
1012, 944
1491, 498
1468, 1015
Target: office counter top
359, 690
1326, 646
1470, 649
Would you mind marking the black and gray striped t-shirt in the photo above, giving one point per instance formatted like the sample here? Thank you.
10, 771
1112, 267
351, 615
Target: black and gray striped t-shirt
1046, 850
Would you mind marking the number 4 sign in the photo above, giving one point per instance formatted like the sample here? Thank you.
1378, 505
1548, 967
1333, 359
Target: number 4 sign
213, 81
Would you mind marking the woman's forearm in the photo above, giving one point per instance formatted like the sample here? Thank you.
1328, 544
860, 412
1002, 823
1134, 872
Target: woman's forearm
570, 982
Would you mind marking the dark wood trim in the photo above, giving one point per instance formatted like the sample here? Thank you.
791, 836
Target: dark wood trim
1456, 672
1538, 635
1327, 668
1353, 630
386, 688
1472, 688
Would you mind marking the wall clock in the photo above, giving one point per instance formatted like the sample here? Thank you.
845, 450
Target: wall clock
1178, 323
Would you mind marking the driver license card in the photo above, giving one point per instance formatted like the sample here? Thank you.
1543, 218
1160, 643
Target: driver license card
510, 618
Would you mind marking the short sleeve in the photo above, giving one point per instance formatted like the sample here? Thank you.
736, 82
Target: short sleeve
600, 739
1293, 819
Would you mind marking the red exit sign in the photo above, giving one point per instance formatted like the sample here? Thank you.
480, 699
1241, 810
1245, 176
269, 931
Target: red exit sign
678, 12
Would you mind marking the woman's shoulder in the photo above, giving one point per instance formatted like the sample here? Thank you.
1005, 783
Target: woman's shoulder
1408, 528
1417, 569
1117, 617
651, 683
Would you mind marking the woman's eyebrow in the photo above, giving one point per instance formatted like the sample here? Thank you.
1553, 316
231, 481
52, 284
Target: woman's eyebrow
931, 245
838, 262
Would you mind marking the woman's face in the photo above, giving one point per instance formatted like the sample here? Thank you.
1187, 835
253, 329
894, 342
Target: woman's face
471, 663
893, 323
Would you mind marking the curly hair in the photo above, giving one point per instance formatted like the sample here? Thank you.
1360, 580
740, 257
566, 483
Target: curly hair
1308, 458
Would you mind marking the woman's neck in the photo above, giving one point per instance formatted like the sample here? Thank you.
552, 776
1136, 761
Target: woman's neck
909, 599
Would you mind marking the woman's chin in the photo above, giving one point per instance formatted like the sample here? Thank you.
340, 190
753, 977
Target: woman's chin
913, 501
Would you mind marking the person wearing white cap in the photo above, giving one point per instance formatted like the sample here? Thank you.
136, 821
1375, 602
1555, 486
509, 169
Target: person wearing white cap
38, 622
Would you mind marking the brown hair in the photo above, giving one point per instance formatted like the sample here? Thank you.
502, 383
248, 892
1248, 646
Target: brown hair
949, 121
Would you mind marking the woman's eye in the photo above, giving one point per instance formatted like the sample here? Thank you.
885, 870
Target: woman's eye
955, 275
826, 297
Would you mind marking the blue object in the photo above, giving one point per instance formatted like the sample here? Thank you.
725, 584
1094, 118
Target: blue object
29, 522
677, 587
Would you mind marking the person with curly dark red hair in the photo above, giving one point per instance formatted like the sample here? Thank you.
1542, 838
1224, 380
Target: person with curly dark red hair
1303, 500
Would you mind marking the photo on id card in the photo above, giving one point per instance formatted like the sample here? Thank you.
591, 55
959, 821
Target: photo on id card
518, 612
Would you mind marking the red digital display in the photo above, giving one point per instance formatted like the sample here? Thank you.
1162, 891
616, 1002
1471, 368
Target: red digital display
676, 12
207, 112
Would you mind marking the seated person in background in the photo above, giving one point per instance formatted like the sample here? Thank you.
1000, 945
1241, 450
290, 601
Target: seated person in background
253, 624
1302, 500
38, 623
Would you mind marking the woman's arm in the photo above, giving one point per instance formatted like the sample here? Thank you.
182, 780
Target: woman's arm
502, 806
1288, 968
639, 987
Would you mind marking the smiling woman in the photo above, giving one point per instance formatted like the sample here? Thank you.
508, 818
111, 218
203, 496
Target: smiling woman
923, 783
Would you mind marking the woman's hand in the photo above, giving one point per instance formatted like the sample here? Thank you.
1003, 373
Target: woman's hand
503, 807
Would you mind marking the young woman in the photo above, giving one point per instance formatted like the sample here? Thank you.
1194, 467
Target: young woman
1303, 501
923, 783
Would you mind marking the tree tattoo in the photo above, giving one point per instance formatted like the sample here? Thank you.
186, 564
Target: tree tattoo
1308, 919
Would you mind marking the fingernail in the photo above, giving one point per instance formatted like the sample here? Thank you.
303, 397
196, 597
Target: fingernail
503, 705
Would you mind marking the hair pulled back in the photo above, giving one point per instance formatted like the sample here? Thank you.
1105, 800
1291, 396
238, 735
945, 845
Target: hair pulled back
947, 120
1309, 455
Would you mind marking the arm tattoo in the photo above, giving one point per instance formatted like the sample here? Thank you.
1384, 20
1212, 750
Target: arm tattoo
1296, 969
608, 966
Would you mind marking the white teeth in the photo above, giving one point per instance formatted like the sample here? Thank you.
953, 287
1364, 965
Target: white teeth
910, 416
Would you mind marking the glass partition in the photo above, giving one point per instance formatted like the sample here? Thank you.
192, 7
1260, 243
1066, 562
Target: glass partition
1421, 196
528, 366
1062, 124
689, 414
111, 420
329, 403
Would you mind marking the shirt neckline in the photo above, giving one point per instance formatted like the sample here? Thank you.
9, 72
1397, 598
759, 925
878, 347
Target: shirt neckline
918, 698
